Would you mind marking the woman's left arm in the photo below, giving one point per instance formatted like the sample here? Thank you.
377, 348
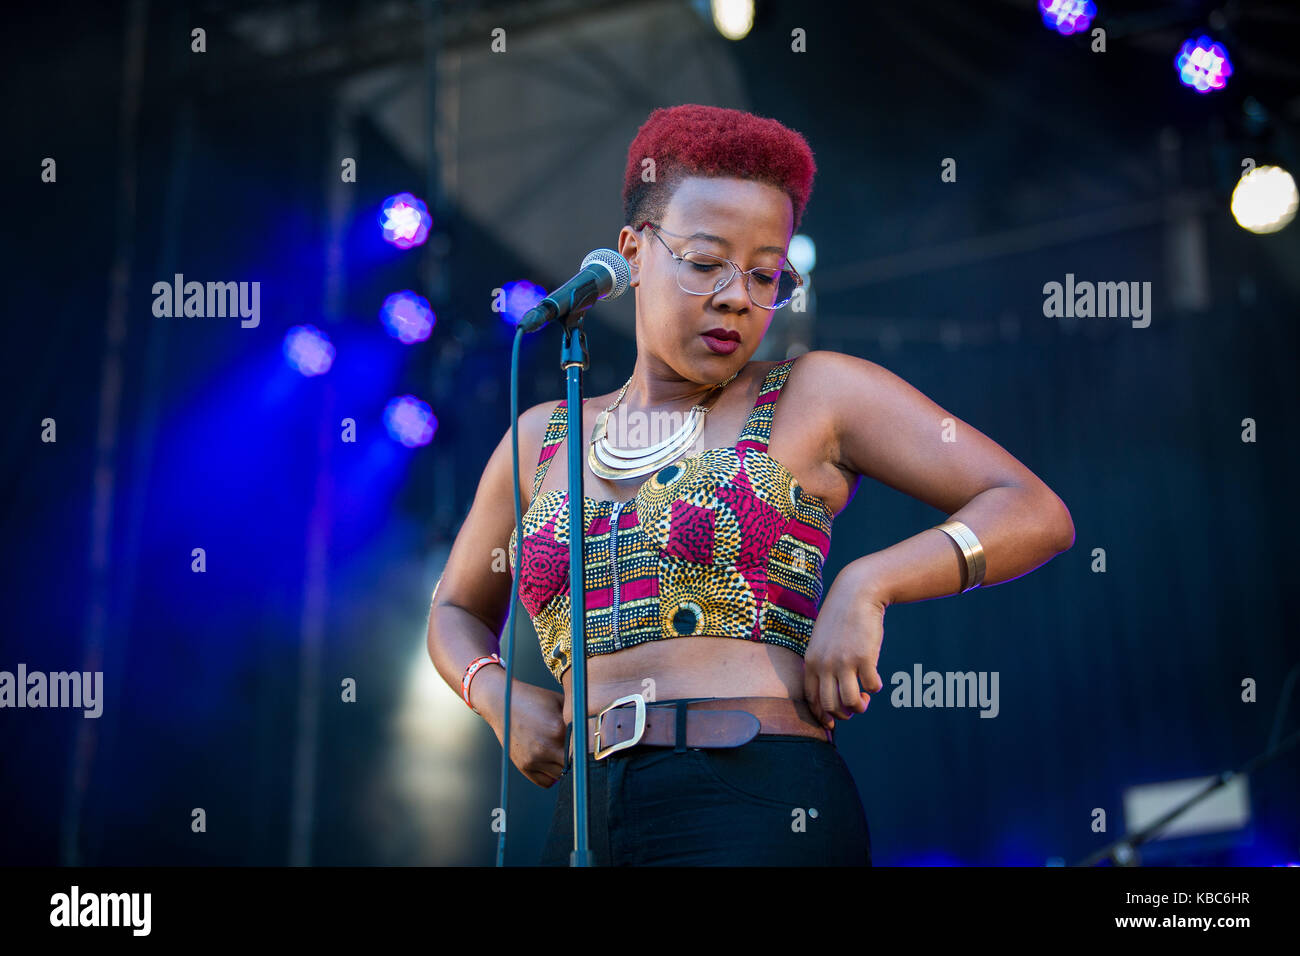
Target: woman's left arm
893, 433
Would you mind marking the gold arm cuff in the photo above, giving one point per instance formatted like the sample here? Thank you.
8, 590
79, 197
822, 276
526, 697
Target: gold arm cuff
971, 549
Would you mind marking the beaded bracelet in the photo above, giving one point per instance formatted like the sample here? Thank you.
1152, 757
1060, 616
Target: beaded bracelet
469, 676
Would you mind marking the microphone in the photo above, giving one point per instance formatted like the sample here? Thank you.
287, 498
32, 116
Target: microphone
605, 275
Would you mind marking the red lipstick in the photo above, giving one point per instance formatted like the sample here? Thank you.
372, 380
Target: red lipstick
722, 341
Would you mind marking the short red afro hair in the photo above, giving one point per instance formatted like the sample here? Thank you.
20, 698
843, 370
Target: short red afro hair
694, 140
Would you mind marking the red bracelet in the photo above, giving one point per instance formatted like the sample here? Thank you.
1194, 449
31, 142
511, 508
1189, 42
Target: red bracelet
469, 676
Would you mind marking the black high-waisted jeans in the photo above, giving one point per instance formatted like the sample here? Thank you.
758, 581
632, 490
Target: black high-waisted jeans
779, 800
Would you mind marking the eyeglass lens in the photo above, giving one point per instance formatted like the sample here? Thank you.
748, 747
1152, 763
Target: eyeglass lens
703, 274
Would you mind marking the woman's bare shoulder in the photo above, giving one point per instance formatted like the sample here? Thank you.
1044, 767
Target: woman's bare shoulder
533, 420
533, 423
826, 374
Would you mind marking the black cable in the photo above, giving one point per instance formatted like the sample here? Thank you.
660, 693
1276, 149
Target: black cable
514, 594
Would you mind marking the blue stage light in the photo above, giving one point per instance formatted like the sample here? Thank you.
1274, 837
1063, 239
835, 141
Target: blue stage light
1203, 65
1067, 16
410, 421
407, 317
405, 220
518, 298
308, 350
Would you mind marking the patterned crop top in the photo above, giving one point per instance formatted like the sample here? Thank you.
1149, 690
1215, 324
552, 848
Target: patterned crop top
724, 543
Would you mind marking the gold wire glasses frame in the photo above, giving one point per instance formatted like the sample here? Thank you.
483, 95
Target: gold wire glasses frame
707, 261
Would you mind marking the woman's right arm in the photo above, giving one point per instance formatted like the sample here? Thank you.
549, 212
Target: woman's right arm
472, 600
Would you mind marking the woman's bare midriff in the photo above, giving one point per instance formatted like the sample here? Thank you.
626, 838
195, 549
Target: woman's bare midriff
689, 667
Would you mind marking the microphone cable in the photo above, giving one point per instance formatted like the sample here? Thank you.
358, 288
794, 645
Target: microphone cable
514, 594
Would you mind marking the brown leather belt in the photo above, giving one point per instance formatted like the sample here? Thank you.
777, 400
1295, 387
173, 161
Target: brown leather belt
714, 722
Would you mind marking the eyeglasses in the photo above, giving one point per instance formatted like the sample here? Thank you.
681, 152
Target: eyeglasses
699, 273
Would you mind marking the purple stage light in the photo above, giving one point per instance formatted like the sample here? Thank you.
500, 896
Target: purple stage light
405, 220
519, 298
1203, 65
407, 317
308, 350
410, 421
1067, 16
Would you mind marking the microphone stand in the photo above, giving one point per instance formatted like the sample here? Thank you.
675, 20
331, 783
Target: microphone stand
567, 306
573, 359
1123, 851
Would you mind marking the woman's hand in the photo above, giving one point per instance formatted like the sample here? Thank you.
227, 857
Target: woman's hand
839, 674
536, 730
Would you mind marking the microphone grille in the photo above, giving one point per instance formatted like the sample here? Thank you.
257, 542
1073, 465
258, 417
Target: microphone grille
617, 266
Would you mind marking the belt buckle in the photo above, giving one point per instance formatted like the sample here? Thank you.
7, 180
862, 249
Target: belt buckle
639, 726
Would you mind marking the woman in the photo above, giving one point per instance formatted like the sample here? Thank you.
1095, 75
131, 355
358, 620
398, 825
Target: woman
704, 558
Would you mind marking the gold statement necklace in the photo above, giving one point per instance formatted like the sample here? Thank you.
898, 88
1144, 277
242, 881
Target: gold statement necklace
618, 463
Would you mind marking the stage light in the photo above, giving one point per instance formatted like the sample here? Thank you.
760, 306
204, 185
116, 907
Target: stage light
410, 421
1067, 16
518, 298
802, 254
308, 350
1203, 65
1265, 200
405, 220
733, 18
407, 317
